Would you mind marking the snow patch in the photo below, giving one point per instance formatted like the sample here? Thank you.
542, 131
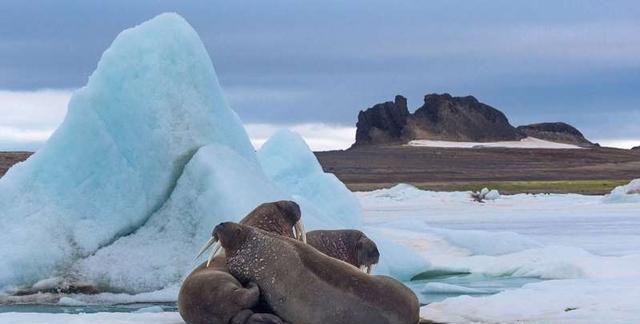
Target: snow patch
525, 143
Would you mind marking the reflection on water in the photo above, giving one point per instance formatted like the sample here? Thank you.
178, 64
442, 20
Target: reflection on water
435, 287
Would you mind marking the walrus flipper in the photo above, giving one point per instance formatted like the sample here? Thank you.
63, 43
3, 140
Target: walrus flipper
247, 297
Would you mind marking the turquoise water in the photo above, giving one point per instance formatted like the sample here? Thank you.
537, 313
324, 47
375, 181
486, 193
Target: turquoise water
438, 287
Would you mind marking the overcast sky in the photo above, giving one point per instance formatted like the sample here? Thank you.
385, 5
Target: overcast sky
312, 65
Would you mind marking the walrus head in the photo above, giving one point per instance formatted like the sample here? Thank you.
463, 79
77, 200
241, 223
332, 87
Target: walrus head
367, 254
291, 210
224, 235
280, 217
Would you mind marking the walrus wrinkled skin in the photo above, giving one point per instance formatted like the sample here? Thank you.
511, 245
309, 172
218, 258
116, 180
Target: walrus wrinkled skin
350, 246
304, 286
202, 297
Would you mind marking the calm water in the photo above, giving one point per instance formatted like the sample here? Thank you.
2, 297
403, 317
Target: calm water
438, 288
433, 287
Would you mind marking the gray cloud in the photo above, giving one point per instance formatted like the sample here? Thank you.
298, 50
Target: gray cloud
288, 62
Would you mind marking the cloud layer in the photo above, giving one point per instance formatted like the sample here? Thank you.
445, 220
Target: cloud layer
288, 62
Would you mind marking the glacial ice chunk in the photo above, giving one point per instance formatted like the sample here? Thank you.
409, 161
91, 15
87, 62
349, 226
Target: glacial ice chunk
217, 185
629, 193
292, 166
152, 101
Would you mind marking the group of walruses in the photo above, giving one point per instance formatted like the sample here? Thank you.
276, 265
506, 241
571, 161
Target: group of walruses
270, 271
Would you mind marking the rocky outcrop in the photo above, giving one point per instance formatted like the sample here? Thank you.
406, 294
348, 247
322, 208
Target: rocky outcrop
556, 132
441, 117
8, 159
637, 148
383, 123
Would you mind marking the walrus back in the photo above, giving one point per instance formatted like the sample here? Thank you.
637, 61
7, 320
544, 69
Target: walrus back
355, 297
382, 291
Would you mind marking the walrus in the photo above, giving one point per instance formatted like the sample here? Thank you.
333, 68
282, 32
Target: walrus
350, 246
203, 294
211, 295
302, 285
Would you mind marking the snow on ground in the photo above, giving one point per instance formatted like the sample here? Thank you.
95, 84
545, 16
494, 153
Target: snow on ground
580, 254
525, 143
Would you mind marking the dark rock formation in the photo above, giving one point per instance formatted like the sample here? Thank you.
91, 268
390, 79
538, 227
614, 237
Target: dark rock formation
383, 123
442, 117
8, 159
556, 132
637, 148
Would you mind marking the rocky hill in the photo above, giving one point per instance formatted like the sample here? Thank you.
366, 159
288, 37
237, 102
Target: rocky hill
448, 118
556, 132
383, 123
443, 117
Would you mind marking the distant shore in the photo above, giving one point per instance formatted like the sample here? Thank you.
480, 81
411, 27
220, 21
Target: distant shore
586, 171
511, 171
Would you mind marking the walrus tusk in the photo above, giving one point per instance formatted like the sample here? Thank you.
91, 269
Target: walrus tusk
214, 252
300, 233
205, 247
369, 268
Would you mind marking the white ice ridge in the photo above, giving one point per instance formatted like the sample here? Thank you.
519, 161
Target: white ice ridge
148, 160
525, 143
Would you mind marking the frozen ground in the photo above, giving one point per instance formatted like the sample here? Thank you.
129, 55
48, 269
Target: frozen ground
525, 143
522, 258
578, 256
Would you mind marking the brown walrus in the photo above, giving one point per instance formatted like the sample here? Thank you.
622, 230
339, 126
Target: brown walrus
350, 246
211, 295
304, 286
203, 297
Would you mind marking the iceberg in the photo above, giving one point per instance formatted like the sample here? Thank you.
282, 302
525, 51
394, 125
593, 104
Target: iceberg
290, 164
629, 193
147, 161
152, 101
217, 185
